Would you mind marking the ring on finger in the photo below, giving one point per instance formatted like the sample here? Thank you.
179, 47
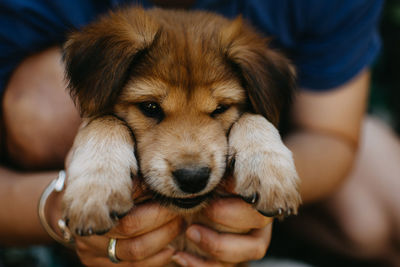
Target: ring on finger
111, 250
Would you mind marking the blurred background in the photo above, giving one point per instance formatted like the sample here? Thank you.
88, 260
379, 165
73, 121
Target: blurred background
384, 102
385, 95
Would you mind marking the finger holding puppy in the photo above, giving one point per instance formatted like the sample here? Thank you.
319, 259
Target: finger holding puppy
143, 219
140, 242
226, 249
250, 243
186, 259
236, 214
160, 259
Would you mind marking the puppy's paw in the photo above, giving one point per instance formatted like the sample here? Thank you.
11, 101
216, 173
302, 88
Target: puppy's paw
99, 184
263, 168
95, 209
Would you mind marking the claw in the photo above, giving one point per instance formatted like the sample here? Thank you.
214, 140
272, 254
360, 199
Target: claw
90, 231
267, 214
232, 164
79, 232
280, 212
251, 199
122, 215
114, 215
288, 212
274, 213
101, 232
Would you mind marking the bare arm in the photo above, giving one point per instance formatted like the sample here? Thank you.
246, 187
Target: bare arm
33, 105
19, 197
326, 136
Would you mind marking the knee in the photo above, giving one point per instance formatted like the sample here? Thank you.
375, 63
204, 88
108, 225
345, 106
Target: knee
368, 234
40, 120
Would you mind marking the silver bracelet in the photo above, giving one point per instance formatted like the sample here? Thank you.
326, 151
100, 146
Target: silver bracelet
56, 185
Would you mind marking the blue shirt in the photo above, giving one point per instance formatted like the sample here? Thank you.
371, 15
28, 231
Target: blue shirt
329, 41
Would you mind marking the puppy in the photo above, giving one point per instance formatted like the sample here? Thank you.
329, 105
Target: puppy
174, 103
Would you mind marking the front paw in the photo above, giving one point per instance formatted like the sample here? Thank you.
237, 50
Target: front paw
264, 172
94, 208
99, 184
267, 180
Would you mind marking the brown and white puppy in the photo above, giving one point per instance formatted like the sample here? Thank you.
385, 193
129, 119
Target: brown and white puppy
177, 94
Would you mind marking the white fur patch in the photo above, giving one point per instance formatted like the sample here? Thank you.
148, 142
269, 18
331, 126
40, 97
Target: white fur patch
263, 165
99, 176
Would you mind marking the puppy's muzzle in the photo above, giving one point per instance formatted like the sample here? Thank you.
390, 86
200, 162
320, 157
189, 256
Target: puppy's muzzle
192, 179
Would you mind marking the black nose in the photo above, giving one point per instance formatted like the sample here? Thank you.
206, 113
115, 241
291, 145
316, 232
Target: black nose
192, 180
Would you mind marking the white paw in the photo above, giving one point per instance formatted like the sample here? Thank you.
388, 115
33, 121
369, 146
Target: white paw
263, 168
91, 208
99, 184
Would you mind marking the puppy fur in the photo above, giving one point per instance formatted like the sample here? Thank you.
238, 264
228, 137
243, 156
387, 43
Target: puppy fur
166, 90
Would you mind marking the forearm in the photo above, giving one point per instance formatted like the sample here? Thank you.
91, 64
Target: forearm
326, 135
322, 161
19, 197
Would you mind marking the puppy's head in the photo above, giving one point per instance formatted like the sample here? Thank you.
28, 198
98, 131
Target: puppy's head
179, 80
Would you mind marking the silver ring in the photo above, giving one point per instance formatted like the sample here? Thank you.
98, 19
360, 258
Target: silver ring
111, 250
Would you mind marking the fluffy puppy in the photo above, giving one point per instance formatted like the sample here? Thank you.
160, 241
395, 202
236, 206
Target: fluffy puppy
173, 101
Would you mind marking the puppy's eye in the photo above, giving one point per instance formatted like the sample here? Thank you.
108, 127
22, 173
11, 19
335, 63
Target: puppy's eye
219, 110
151, 109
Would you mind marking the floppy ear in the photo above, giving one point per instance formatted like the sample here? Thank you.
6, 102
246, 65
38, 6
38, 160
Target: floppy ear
99, 58
267, 76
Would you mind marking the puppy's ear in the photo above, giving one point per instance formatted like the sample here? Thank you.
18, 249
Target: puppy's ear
99, 58
267, 76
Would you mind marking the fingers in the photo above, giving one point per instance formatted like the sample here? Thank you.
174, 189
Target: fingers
237, 214
148, 244
143, 235
137, 249
142, 219
161, 258
185, 259
233, 248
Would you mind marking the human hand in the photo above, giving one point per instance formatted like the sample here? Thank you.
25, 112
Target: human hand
228, 249
142, 239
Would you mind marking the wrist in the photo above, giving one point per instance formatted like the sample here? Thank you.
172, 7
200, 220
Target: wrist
49, 210
53, 211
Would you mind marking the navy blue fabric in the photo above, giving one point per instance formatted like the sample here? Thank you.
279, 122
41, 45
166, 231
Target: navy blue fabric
330, 41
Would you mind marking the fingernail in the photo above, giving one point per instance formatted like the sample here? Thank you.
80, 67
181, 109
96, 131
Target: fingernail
178, 259
193, 235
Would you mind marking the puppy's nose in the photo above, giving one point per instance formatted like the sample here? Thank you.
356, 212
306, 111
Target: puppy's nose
192, 180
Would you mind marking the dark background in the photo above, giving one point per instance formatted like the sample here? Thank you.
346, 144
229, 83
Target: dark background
385, 95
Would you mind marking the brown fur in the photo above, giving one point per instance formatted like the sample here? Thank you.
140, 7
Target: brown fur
177, 47
189, 63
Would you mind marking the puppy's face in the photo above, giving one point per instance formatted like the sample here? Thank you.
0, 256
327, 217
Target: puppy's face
179, 80
181, 135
